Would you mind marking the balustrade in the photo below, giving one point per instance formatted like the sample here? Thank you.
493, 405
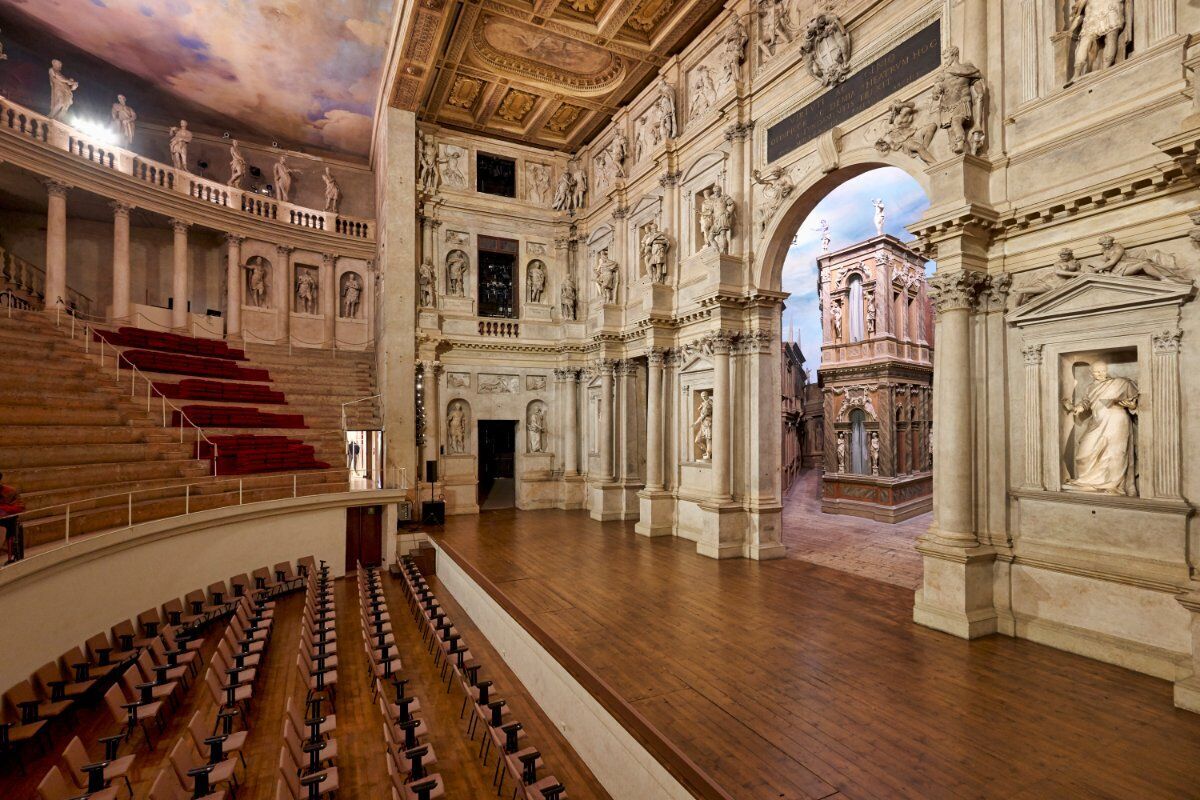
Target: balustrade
500, 328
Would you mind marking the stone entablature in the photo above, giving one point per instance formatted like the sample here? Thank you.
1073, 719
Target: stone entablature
57, 151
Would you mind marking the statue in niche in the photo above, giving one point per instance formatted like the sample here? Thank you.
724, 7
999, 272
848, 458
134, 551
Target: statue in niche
181, 137
306, 290
351, 292
733, 46
618, 151
1104, 451
703, 427
959, 100
428, 174
1064, 269
258, 280
835, 316
539, 184
717, 219
283, 179
62, 91
880, 215
640, 144
1100, 21
428, 282
841, 451
237, 165
1116, 260
826, 46
704, 93
668, 121
536, 426
654, 247
775, 26
607, 277
903, 135
333, 192
124, 120
567, 297
536, 275
563, 192
871, 312
579, 185
873, 449
777, 187
457, 264
456, 429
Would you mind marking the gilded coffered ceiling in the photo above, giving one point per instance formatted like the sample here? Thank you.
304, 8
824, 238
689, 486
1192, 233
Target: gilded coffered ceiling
544, 72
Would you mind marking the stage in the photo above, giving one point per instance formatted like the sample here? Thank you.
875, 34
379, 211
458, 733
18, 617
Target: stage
788, 679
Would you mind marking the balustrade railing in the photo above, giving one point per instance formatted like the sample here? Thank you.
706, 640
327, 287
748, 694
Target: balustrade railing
17, 120
500, 328
27, 281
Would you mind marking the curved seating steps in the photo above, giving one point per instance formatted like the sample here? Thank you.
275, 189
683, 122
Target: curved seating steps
196, 366
25, 457
220, 391
47, 479
245, 454
236, 417
169, 343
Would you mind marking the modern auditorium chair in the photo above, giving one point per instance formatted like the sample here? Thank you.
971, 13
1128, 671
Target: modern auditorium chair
161, 687
236, 667
133, 712
125, 634
406, 787
316, 679
179, 615
196, 774
100, 774
103, 652
229, 696
326, 780
176, 657
150, 623
231, 743
50, 681
85, 669
325, 726
167, 786
15, 735
55, 787
26, 704
311, 755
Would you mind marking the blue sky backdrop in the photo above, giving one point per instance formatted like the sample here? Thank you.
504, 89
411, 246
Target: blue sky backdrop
851, 219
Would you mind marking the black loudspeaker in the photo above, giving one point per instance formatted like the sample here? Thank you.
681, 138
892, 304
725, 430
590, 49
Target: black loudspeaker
431, 472
433, 512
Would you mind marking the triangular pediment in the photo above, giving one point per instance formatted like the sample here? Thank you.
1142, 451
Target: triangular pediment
1093, 294
696, 364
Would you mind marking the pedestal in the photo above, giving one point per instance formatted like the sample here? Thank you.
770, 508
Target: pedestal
536, 483
1187, 689
656, 515
722, 274
452, 304
764, 529
607, 502
607, 316
536, 311
574, 492
723, 530
460, 484
427, 318
956, 590
658, 300
574, 329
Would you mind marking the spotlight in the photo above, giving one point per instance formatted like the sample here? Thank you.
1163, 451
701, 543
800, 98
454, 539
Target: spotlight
274, 144
225, 135
202, 164
101, 133
255, 171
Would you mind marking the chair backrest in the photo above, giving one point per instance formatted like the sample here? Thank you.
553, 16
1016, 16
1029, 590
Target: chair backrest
214, 685
54, 786
96, 643
77, 758
198, 730
195, 596
19, 693
292, 740
287, 770
166, 786
149, 617
242, 580
114, 699
46, 674
181, 759
129, 680
264, 573
218, 587
286, 569
123, 629
290, 710
281, 790
145, 666
69, 659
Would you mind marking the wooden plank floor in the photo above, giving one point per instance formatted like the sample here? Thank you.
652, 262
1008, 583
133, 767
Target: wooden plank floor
362, 771
791, 680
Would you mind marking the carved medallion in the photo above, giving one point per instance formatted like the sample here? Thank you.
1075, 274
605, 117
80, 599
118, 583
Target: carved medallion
563, 119
465, 92
515, 106
523, 51
648, 14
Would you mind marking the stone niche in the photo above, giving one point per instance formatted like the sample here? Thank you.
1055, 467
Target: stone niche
695, 387
1097, 462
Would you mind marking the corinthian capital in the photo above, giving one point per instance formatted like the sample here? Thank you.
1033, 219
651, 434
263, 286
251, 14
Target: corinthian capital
955, 291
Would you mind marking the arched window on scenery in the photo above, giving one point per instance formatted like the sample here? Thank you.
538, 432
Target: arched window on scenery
858, 442
855, 308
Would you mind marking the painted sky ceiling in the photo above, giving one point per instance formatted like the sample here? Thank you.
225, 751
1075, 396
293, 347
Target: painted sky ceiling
303, 71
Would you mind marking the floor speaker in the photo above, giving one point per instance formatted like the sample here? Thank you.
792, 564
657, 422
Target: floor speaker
433, 512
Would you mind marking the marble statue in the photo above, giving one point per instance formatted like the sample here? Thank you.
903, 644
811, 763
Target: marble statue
563, 192
733, 51
873, 449
539, 184
536, 277
871, 313
427, 279
306, 291
774, 27
181, 137
259, 280
880, 215
841, 451
124, 119
3, 55
456, 429
567, 297
654, 247
618, 151
579, 185
835, 316
704, 92
1102, 28
668, 121
1194, 233
903, 135
571, 192
351, 292
704, 428
1064, 269
457, 264
1116, 260
825, 240
777, 187
536, 427
62, 91
959, 101
283, 179
1105, 449
717, 219
237, 165
826, 46
607, 275
453, 174
333, 192
428, 167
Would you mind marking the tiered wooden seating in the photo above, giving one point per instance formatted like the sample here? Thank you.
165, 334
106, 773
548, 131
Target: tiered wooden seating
221, 392
170, 342
178, 364
247, 454
237, 417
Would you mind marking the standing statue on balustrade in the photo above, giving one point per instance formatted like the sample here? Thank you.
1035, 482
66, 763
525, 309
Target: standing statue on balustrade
237, 164
123, 118
333, 192
181, 137
283, 179
62, 91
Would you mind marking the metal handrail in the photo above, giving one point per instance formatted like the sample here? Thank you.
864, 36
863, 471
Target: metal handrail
352, 402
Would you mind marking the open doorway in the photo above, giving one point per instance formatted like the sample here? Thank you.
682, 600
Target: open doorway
364, 459
497, 455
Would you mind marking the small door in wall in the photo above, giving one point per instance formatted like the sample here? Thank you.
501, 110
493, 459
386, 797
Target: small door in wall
364, 536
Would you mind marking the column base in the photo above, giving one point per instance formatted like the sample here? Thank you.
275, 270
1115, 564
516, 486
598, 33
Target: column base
1187, 694
956, 589
764, 529
656, 515
723, 532
609, 502
574, 492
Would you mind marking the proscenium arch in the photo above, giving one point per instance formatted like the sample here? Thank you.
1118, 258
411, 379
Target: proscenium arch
811, 190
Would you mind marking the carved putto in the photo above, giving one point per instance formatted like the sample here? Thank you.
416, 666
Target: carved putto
1103, 33
959, 100
903, 135
607, 275
826, 46
124, 120
62, 91
654, 247
777, 186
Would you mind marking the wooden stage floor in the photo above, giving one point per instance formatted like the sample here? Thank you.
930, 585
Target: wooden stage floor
786, 679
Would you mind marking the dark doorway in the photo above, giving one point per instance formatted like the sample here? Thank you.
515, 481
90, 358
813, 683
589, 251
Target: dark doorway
364, 536
497, 277
495, 175
497, 451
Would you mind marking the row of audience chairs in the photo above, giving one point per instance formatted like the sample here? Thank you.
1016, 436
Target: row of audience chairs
489, 714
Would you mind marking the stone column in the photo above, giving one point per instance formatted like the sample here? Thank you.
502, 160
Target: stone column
735, 135
1164, 382
233, 285
329, 299
668, 181
1033, 416
433, 415
721, 346
606, 443
56, 244
284, 291
179, 276
654, 424
120, 265
621, 244
570, 428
